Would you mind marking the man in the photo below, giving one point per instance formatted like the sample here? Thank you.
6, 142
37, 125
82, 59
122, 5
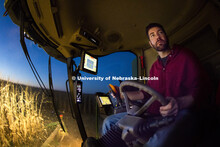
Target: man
179, 82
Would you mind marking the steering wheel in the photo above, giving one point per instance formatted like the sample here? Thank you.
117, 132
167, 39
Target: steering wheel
154, 96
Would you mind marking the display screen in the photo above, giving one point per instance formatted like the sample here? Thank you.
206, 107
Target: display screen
89, 63
105, 100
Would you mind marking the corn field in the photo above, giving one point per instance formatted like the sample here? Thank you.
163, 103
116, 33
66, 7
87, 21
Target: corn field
21, 122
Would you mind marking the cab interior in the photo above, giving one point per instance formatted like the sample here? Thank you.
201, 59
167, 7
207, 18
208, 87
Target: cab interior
65, 30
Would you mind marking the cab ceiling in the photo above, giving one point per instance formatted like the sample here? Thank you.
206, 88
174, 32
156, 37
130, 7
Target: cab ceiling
118, 24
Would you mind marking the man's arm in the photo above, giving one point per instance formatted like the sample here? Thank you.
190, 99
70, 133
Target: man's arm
175, 105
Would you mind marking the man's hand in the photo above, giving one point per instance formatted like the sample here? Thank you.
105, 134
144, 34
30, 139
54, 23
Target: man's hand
171, 108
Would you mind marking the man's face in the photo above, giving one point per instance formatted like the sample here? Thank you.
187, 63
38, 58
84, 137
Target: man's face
158, 39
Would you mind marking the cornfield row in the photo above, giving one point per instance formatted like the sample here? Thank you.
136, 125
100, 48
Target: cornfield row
21, 121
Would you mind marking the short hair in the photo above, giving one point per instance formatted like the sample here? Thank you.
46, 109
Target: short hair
151, 25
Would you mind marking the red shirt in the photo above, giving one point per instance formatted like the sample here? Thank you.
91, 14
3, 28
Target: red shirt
179, 77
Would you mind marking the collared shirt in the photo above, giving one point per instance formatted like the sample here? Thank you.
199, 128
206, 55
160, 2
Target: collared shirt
179, 77
163, 60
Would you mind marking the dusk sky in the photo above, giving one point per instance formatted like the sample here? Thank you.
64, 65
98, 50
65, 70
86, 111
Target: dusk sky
14, 66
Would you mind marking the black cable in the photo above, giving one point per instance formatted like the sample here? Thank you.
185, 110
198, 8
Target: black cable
52, 94
24, 47
70, 100
37, 76
73, 97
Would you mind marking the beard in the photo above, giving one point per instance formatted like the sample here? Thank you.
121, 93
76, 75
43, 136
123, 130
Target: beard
161, 45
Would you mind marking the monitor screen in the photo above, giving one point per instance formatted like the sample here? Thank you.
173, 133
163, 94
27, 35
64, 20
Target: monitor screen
105, 100
89, 63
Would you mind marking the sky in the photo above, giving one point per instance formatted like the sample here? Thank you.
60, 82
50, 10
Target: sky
14, 66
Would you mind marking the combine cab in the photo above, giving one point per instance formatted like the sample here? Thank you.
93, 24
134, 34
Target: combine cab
92, 29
